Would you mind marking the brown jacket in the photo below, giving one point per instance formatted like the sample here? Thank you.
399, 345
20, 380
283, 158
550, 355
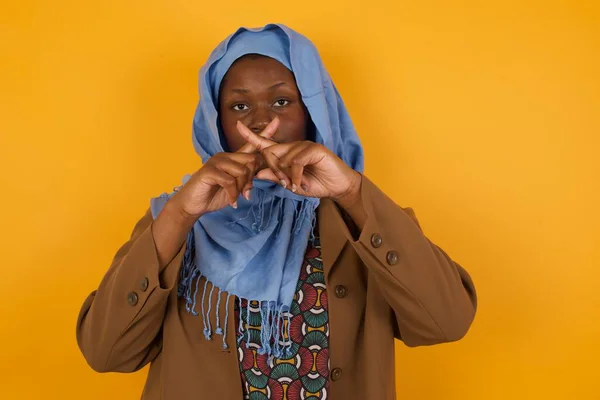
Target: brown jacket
398, 284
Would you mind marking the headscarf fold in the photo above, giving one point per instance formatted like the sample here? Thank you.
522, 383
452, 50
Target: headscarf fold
255, 252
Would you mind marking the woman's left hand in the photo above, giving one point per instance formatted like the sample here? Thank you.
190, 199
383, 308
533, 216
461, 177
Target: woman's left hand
306, 168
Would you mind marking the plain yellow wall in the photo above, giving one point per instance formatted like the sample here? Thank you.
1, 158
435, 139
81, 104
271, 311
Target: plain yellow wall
482, 115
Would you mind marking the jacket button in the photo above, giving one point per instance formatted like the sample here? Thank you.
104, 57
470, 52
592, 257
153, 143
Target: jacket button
336, 374
132, 298
376, 240
340, 291
392, 257
144, 284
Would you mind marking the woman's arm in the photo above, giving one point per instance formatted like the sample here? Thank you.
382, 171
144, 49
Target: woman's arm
433, 298
119, 322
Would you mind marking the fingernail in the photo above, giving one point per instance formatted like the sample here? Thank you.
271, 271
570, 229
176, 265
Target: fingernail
283, 183
234, 204
294, 187
247, 194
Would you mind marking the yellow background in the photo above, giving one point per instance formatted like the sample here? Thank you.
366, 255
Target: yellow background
482, 115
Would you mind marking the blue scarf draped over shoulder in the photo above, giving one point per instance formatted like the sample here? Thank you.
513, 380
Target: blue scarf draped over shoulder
255, 252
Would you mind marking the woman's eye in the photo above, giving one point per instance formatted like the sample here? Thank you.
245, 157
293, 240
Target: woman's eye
281, 103
240, 107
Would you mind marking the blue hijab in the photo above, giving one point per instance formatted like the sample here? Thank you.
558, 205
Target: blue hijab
255, 252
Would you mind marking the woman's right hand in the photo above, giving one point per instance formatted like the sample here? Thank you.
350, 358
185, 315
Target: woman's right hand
222, 179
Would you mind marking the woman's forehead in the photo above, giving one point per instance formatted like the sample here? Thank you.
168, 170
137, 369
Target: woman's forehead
251, 68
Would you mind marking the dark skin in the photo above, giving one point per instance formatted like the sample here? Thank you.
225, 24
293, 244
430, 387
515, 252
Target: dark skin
265, 126
254, 91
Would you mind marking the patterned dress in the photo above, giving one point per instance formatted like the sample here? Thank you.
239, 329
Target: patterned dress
305, 375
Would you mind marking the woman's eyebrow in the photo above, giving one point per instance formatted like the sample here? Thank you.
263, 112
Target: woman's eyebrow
275, 86
243, 90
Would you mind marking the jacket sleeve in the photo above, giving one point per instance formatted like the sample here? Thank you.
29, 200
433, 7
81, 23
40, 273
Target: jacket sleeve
118, 324
432, 297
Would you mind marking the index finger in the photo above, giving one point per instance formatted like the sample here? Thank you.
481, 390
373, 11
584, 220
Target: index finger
267, 133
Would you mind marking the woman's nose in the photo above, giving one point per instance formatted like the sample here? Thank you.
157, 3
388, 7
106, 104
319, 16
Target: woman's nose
260, 120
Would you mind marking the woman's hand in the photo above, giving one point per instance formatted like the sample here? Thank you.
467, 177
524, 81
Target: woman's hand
306, 168
222, 179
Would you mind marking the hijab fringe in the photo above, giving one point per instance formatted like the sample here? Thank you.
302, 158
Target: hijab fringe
275, 319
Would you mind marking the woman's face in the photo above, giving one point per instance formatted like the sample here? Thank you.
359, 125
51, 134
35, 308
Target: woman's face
254, 91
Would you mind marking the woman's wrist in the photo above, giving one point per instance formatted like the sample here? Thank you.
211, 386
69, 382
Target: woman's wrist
351, 202
347, 199
170, 230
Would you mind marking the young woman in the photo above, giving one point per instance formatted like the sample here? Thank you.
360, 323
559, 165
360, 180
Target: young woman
277, 270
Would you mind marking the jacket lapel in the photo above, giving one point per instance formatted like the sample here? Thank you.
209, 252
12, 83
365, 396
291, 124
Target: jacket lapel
331, 227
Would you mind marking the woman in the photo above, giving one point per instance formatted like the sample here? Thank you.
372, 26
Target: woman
277, 270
